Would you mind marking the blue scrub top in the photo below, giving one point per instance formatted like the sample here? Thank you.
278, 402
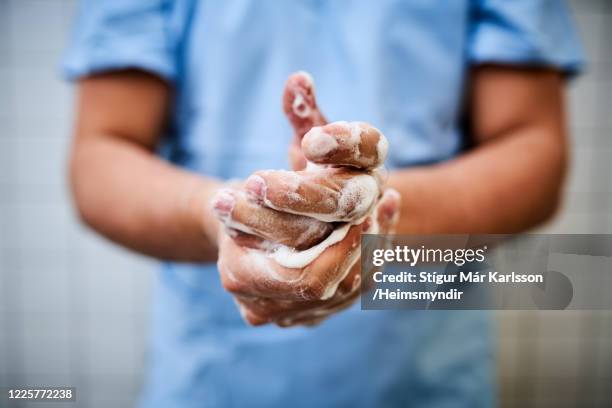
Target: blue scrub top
400, 65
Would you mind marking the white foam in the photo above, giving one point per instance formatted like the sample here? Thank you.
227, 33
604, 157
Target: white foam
382, 148
356, 198
261, 261
331, 288
308, 226
355, 138
300, 107
320, 142
358, 195
238, 226
290, 258
314, 167
356, 201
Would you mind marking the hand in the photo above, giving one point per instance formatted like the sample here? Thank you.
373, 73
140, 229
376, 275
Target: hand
268, 292
278, 210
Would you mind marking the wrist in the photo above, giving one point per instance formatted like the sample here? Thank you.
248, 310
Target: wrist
200, 210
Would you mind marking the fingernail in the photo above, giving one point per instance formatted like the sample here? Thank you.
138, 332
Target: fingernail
223, 204
318, 144
256, 188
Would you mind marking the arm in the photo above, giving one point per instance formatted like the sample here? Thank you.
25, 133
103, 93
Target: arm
512, 179
120, 188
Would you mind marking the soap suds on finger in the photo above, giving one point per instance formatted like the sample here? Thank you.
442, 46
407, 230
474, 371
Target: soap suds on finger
326, 194
238, 213
358, 196
320, 143
353, 144
340, 188
290, 258
300, 106
223, 204
382, 148
299, 100
352, 201
332, 287
355, 139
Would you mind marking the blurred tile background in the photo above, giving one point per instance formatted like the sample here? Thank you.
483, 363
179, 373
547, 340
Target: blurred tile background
73, 307
564, 359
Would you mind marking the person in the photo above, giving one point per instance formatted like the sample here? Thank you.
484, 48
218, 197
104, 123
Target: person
178, 98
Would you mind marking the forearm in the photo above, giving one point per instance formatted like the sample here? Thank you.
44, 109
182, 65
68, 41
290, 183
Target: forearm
137, 200
506, 185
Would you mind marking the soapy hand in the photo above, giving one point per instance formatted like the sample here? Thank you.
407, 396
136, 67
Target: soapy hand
319, 284
290, 250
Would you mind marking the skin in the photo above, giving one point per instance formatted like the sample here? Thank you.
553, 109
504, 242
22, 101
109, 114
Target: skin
510, 181
121, 188
513, 179
267, 292
267, 224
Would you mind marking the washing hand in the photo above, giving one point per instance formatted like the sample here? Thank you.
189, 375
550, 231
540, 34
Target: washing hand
290, 249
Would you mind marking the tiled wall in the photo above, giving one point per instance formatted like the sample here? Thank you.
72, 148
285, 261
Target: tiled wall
564, 359
73, 307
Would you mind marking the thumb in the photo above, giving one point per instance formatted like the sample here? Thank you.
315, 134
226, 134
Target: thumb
300, 107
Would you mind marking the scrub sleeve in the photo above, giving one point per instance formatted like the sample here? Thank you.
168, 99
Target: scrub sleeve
114, 35
535, 33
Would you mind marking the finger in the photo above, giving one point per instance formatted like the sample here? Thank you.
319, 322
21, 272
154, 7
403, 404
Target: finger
297, 161
355, 144
250, 315
352, 281
238, 213
253, 273
315, 315
300, 105
287, 313
385, 215
247, 240
329, 195
383, 221
259, 311
270, 310
388, 211
308, 322
275, 309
